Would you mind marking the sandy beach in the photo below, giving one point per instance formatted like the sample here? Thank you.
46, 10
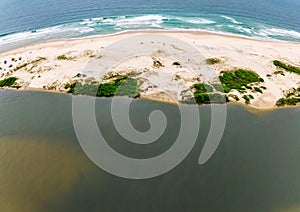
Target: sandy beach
161, 75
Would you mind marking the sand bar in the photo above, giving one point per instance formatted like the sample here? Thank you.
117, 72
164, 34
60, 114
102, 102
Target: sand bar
38, 66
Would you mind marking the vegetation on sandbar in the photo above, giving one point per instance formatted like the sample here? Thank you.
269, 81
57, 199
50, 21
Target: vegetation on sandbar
247, 99
209, 98
238, 79
34, 62
212, 61
204, 94
257, 89
218, 87
203, 88
291, 98
64, 57
8, 81
287, 101
157, 63
124, 86
290, 68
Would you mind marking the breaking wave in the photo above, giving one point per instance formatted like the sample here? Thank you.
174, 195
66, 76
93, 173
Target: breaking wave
117, 24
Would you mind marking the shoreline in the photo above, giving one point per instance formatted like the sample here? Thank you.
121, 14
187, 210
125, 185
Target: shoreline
233, 52
167, 30
250, 108
191, 31
154, 31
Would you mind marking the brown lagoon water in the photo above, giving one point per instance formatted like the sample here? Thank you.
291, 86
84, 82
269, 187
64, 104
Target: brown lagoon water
43, 168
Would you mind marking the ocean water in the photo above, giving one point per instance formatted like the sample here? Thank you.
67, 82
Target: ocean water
27, 22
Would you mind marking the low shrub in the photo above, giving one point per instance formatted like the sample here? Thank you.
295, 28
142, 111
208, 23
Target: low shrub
288, 101
292, 101
279, 72
238, 79
8, 81
205, 98
263, 87
121, 87
257, 89
281, 102
212, 61
201, 98
247, 99
203, 88
157, 63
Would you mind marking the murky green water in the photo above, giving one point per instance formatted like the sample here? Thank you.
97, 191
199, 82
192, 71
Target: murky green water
43, 168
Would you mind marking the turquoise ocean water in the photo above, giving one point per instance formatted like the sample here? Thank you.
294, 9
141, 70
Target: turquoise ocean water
27, 22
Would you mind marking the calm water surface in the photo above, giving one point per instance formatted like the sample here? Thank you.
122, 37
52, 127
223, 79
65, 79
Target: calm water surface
43, 168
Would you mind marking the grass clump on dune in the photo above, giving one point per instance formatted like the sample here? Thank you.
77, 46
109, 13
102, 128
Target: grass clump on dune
290, 68
247, 99
8, 81
257, 89
33, 63
124, 86
238, 79
64, 57
212, 61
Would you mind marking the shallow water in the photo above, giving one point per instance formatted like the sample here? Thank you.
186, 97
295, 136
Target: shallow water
42, 166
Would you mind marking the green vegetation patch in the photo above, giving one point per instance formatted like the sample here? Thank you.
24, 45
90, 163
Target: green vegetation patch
263, 87
203, 88
257, 89
204, 95
8, 81
238, 79
221, 88
212, 61
205, 98
247, 99
288, 101
290, 68
291, 98
124, 86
